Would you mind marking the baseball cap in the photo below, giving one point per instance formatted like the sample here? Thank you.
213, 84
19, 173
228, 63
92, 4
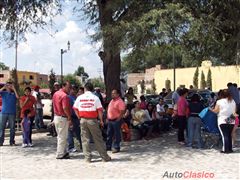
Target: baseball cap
36, 87
56, 84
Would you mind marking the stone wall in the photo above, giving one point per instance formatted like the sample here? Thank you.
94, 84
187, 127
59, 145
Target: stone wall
134, 78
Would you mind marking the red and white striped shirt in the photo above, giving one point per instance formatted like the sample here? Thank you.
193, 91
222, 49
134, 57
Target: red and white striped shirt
87, 105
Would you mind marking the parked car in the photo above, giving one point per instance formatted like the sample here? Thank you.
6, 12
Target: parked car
204, 94
168, 99
47, 101
152, 98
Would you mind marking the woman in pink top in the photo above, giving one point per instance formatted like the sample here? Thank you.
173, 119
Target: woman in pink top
182, 113
143, 103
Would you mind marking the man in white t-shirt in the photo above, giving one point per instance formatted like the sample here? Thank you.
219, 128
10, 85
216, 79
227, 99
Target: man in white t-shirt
160, 109
88, 108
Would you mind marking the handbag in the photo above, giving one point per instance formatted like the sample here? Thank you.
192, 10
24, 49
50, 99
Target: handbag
231, 119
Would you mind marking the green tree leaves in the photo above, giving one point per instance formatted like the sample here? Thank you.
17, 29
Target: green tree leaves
203, 81
81, 72
195, 78
3, 66
72, 79
209, 79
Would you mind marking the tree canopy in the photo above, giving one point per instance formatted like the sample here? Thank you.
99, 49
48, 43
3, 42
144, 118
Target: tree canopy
81, 72
3, 66
72, 79
18, 16
150, 29
197, 30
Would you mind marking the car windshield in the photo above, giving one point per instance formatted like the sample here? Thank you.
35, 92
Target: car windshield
45, 95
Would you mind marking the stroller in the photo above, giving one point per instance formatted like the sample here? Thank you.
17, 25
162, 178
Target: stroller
210, 132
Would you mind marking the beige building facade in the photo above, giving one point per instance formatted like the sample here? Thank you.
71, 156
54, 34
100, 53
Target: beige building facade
221, 75
133, 79
5, 75
42, 79
25, 78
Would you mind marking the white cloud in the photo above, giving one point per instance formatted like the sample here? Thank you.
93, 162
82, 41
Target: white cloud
24, 48
41, 52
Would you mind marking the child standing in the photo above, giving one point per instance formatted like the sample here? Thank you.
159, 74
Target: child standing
26, 128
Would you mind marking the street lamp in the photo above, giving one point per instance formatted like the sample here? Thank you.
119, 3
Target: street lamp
62, 52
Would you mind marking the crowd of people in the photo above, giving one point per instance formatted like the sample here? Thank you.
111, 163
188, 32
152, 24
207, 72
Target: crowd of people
226, 106
81, 113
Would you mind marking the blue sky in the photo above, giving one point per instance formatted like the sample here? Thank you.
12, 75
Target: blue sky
41, 51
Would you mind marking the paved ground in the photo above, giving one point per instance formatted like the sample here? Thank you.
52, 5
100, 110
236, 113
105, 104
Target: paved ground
154, 159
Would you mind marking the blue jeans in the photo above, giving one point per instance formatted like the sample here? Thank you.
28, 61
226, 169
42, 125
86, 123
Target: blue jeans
11, 120
26, 135
31, 127
39, 119
194, 131
74, 132
114, 130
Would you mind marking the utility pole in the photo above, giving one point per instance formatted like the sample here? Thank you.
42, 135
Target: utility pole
174, 61
62, 52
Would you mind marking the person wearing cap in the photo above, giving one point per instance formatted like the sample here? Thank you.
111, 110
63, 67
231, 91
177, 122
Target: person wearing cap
56, 84
9, 100
39, 108
88, 108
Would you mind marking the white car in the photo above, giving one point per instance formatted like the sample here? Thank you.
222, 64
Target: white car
47, 101
47, 108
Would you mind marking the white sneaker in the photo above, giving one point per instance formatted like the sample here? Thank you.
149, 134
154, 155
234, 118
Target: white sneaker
24, 145
30, 145
72, 150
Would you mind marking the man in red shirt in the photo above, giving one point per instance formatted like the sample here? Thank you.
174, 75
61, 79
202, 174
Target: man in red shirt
116, 110
62, 119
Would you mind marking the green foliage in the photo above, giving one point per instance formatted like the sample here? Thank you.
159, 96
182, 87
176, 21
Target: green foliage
153, 86
167, 84
21, 91
203, 81
209, 79
195, 78
72, 79
142, 86
52, 80
3, 66
81, 72
151, 56
44, 86
97, 82
148, 91
200, 30
197, 30
19, 17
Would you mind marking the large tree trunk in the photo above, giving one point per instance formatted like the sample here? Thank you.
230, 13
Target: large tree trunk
111, 52
111, 70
